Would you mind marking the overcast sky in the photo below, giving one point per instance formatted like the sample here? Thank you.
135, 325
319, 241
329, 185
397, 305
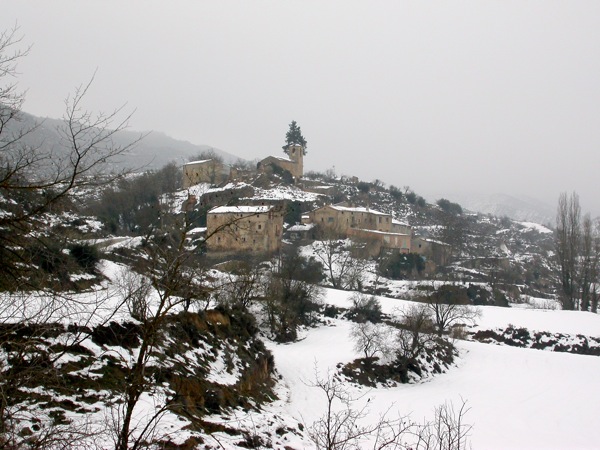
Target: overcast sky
445, 97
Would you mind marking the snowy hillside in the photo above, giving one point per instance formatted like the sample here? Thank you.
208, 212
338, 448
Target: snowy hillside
120, 327
518, 398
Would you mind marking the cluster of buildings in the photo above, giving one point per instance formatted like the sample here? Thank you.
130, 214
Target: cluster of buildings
260, 228
215, 171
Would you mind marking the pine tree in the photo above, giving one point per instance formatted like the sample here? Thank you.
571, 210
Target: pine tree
294, 137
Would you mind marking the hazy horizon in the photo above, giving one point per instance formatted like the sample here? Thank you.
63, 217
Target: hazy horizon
447, 98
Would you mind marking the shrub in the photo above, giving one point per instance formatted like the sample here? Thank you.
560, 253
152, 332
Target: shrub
448, 207
399, 266
86, 255
450, 295
478, 295
363, 187
396, 193
365, 308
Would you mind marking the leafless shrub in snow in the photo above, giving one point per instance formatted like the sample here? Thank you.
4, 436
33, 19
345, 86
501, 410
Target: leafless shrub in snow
372, 339
348, 424
447, 431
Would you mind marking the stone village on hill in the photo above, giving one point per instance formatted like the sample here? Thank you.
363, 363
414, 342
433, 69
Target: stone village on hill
257, 228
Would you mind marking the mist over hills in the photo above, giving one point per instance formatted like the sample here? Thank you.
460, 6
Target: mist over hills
157, 149
152, 152
525, 209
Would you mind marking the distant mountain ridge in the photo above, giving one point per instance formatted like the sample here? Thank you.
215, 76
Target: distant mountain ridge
154, 151
524, 208
157, 149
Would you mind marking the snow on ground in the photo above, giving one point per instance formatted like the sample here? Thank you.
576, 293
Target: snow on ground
113, 243
518, 398
535, 226
555, 321
100, 304
284, 192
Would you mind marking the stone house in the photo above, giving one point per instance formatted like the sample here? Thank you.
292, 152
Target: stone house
340, 218
379, 230
227, 194
255, 229
294, 164
375, 241
301, 233
210, 171
436, 251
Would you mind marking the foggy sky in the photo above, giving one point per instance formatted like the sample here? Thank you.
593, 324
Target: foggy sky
444, 97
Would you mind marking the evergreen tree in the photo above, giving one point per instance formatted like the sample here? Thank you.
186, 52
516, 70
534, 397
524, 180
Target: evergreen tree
294, 137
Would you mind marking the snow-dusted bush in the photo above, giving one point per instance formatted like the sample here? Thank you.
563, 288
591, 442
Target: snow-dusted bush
365, 308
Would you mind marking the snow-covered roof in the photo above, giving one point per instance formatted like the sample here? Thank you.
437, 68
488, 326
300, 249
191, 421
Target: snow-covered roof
397, 222
241, 209
358, 209
281, 158
198, 162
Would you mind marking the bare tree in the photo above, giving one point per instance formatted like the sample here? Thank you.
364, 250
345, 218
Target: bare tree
11, 99
589, 261
371, 339
447, 310
339, 258
567, 239
241, 286
168, 278
341, 426
35, 179
594, 266
413, 337
347, 425
447, 431
161, 291
291, 294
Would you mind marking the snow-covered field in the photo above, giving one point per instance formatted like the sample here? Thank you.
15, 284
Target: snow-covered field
518, 398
